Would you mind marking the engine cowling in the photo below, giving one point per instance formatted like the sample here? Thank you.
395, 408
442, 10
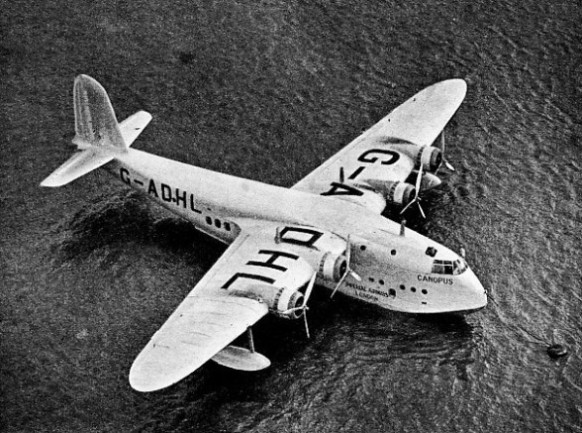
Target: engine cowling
395, 193
279, 300
400, 193
429, 157
332, 267
285, 279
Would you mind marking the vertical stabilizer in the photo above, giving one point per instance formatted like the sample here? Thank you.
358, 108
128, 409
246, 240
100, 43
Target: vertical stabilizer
97, 134
95, 121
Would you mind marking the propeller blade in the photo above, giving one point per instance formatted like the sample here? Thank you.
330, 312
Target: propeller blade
418, 181
309, 289
436, 172
349, 270
306, 325
407, 206
348, 252
420, 209
339, 283
305, 296
443, 159
443, 141
416, 198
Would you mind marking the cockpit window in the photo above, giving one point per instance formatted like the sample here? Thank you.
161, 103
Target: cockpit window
449, 267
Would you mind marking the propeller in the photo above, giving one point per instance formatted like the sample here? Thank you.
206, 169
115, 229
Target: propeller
416, 198
304, 307
349, 270
444, 160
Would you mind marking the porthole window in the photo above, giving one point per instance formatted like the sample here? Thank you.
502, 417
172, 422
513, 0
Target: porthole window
402, 287
217, 223
363, 247
209, 220
227, 226
413, 289
381, 282
393, 252
424, 292
371, 280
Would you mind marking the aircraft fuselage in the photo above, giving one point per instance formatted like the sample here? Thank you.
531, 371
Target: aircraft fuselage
409, 272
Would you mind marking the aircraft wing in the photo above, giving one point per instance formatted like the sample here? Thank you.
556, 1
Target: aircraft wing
378, 152
216, 311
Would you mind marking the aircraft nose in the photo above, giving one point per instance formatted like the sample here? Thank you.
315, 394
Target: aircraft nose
478, 292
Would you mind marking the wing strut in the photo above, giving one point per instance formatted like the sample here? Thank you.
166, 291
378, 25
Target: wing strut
251, 339
240, 358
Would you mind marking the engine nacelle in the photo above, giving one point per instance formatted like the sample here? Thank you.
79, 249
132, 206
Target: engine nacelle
279, 301
332, 267
429, 157
395, 193
371, 198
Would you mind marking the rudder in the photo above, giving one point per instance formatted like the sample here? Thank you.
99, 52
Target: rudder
95, 121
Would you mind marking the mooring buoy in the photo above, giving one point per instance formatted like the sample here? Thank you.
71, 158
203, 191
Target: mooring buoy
557, 350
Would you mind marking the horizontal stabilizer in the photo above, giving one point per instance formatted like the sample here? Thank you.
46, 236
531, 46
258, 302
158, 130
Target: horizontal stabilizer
78, 165
134, 125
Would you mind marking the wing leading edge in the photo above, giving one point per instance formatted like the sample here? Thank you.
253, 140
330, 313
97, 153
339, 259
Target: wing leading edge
379, 150
233, 295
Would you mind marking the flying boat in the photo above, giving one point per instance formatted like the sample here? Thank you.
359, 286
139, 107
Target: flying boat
328, 230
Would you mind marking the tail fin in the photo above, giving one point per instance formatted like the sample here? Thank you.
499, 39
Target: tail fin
97, 133
95, 121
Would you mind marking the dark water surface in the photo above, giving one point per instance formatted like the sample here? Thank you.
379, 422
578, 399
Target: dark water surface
269, 90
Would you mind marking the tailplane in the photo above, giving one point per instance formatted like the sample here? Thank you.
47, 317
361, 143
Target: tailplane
97, 134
